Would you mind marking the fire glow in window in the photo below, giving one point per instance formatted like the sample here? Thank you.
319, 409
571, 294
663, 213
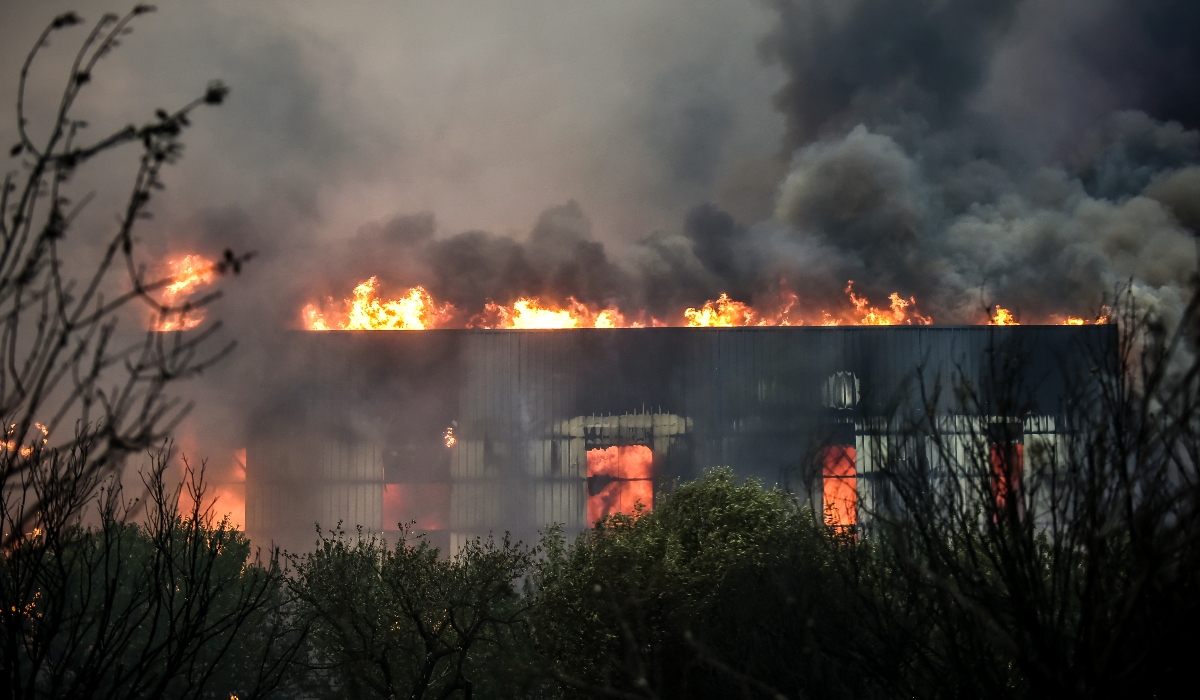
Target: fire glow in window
618, 478
427, 504
840, 486
1008, 463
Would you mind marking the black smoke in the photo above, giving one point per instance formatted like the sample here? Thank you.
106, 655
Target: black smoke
1029, 153
908, 171
915, 159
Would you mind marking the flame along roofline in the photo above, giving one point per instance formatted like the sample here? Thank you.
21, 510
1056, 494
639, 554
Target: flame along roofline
753, 329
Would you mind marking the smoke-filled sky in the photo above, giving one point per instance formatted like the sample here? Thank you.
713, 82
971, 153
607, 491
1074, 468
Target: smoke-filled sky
1033, 153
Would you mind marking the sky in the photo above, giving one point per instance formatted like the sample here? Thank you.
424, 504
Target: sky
1037, 154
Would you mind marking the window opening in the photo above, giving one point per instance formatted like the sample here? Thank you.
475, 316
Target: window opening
618, 478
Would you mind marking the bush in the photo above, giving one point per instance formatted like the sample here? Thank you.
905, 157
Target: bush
406, 622
722, 589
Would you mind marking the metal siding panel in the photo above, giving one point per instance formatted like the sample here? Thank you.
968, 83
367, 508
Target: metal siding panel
753, 396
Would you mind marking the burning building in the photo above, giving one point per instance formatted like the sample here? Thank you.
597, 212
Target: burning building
465, 432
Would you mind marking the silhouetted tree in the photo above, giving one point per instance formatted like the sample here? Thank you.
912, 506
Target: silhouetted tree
1051, 565
69, 386
405, 622
1001, 554
171, 605
104, 596
722, 590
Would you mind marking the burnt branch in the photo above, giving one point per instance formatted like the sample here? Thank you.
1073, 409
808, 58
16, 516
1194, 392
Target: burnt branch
69, 376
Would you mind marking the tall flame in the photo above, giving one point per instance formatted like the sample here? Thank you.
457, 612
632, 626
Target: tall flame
720, 312
898, 313
1003, 317
366, 311
187, 274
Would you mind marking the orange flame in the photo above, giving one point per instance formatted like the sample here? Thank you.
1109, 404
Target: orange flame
448, 437
428, 505
840, 486
529, 313
314, 320
898, 313
188, 274
626, 473
416, 309
1100, 319
10, 445
1003, 317
720, 312
724, 312
365, 311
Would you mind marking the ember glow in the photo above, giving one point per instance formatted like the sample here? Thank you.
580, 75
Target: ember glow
229, 496
1007, 466
427, 506
224, 496
188, 274
10, 445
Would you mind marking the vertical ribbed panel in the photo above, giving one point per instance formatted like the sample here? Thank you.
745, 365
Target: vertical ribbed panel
474, 506
508, 473
560, 501
276, 489
749, 398
354, 492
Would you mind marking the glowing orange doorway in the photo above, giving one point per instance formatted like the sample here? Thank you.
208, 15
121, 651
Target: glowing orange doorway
618, 478
1008, 463
840, 487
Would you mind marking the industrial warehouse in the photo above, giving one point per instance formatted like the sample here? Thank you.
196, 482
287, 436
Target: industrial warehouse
471, 432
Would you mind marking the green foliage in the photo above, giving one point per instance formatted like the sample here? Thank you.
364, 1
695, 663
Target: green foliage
716, 591
128, 610
405, 622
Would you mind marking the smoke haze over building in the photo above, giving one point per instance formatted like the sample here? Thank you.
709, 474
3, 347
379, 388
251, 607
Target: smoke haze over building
967, 153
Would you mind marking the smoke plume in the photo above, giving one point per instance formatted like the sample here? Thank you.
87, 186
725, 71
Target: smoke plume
915, 157
1035, 154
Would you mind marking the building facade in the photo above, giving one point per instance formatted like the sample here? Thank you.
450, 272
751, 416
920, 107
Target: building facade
470, 432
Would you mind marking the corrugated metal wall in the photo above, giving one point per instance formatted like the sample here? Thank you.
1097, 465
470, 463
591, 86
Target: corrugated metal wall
752, 398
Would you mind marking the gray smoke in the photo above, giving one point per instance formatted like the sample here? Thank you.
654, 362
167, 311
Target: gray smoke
920, 163
1030, 153
916, 158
